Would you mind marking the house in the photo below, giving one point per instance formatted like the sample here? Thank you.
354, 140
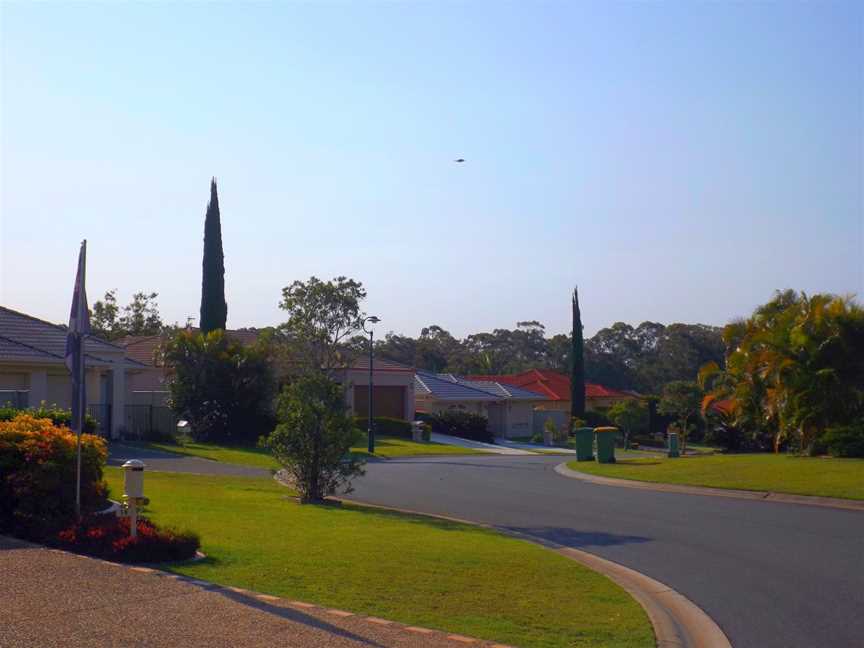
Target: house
556, 387
147, 386
393, 388
393, 391
33, 370
509, 409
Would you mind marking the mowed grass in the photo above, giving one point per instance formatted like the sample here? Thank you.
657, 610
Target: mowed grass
386, 447
762, 472
411, 569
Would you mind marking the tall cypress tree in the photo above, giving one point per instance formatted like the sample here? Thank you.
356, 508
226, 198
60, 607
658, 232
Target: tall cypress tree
577, 362
214, 310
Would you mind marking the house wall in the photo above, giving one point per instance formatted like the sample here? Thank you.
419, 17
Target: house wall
149, 379
403, 379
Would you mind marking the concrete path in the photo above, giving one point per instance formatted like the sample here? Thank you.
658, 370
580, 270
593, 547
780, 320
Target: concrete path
771, 575
534, 447
54, 599
491, 448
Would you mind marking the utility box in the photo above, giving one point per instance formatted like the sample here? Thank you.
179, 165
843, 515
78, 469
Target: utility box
606, 444
133, 482
584, 437
673, 445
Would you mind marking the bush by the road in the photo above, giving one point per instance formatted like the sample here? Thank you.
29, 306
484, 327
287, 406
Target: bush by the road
845, 441
37, 475
107, 536
59, 416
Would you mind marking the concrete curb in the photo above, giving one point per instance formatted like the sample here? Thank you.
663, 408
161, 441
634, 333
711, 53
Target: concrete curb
677, 621
759, 496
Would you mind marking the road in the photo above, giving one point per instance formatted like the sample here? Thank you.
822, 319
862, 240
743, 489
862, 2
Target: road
771, 575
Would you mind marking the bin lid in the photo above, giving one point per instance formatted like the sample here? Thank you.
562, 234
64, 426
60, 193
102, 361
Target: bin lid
606, 429
133, 464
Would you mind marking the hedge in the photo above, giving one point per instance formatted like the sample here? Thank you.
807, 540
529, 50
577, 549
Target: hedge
58, 416
461, 424
37, 475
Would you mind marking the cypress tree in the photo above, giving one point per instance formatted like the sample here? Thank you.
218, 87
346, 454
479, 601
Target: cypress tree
577, 363
214, 310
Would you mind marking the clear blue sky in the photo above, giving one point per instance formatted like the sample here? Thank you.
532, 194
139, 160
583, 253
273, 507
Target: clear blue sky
679, 161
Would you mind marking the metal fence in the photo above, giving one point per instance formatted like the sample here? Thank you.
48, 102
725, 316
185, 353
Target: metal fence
18, 399
102, 413
559, 417
150, 422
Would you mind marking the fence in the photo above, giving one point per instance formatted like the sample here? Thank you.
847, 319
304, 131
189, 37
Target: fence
18, 399
150, 422
559, 417
102, 413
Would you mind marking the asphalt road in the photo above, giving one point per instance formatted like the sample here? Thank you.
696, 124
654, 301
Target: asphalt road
771, 575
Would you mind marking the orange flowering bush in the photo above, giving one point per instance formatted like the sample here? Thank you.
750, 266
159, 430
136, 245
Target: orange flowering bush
37, 475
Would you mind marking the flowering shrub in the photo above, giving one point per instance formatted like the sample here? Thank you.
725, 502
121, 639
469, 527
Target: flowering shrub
37, 475
107, 536
59, 416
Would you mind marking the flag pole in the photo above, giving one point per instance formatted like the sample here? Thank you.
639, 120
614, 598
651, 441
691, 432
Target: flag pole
81, 389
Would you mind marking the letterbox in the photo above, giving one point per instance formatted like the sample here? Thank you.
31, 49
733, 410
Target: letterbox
133, 485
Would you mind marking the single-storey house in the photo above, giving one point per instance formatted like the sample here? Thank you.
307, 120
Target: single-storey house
33, 370
509, 409
393, 389
556, 387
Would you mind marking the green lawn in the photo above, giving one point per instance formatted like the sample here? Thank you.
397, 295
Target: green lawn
762, 472
387, 447
411, 569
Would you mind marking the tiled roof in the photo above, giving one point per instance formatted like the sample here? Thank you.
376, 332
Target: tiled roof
440, 387
379, 364
453, 387
30, 338
554, 385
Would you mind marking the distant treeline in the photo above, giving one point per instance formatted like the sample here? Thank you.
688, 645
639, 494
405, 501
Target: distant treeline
643, 358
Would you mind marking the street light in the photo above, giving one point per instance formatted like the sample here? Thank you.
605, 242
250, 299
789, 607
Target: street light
373, 320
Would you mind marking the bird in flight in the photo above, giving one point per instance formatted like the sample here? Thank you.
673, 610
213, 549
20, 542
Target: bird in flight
459, 160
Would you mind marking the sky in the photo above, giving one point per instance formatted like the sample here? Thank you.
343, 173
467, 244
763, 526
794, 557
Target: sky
679, 161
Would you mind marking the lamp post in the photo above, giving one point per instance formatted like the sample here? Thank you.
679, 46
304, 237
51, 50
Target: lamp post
374, 320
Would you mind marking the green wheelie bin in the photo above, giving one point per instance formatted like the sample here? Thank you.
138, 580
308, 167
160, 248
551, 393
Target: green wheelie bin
673, 445
606, 444
584, 443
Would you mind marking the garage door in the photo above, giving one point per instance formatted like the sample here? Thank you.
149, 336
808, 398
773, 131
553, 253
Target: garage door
388, 401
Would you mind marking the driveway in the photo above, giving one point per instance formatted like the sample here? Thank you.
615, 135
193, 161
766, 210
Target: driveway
771, 575
160, 461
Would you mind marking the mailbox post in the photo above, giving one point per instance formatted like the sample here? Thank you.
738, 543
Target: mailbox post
133, 491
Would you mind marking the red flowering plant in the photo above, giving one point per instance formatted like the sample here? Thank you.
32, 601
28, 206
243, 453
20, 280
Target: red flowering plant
107, 536
37, 475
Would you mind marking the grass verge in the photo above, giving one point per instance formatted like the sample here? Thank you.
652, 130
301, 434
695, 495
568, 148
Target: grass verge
411, 569
387, 447
762, 472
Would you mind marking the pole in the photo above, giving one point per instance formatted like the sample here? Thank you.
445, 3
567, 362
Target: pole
371, 432
80, 394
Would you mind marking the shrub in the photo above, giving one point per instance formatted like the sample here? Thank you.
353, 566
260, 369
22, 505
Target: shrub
847, 441
314, 437
221, 387
462, 424
107, 536
596, 418
37, 475
426, 431
385, 426
58, 416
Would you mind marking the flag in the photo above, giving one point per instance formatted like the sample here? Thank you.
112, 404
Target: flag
79, 326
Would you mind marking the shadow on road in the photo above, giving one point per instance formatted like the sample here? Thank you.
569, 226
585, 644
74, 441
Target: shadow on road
576, 539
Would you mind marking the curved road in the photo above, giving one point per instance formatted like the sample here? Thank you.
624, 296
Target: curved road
771, 575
